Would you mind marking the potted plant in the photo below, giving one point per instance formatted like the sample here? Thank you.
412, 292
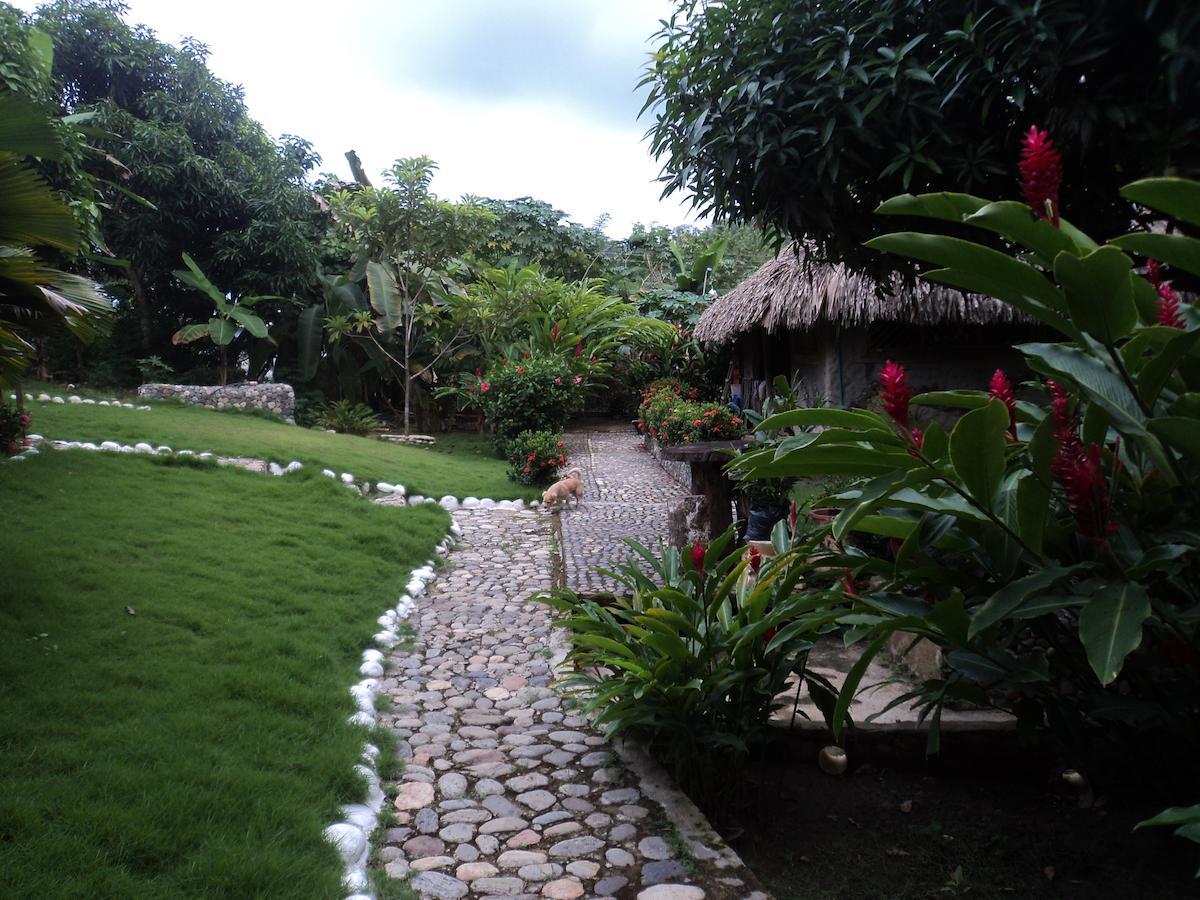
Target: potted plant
767, 503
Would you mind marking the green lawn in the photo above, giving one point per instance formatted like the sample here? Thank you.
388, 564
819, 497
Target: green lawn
461, 465
198, 747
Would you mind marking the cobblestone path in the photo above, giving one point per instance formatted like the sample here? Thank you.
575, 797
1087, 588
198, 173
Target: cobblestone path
627, 495
507, 791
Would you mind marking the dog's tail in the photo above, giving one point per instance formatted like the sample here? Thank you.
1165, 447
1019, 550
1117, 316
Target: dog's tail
574, 470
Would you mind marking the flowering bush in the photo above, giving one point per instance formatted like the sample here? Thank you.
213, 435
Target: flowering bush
535, 394
1049, 546
13, 425
670, 414
536, 457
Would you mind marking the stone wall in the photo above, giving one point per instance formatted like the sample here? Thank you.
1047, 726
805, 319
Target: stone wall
678, 470
275, 398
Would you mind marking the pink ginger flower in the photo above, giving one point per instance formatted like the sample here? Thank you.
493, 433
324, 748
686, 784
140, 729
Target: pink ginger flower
1041, 174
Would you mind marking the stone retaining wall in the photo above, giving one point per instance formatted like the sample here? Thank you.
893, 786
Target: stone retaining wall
277, 398
680, 471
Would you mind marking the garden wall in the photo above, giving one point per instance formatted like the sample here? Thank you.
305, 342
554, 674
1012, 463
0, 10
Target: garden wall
279, 399
680, 471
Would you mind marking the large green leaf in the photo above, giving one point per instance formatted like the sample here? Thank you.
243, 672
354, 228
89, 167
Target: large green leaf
1175, 249
1110, 626
25, 130
1033, 505
189, 333
1013, 595
384, 294
249, 321
1181, 433
193, 277
1017, 222
30, 213
1099, 292
945, 205
1017, 279
1099, 383
825, 417
222, 331
1157, 370
977, 446
1177, 197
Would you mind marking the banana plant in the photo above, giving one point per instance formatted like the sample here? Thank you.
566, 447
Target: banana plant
693, 277
231, 314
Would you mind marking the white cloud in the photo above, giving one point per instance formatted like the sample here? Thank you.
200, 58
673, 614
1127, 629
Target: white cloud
513, 98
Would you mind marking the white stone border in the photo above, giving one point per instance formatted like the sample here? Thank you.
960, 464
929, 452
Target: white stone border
75, 398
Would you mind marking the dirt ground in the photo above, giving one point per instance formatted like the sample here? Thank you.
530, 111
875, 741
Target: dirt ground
890, 833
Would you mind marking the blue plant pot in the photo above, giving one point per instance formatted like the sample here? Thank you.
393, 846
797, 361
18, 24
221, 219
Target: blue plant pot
762, 520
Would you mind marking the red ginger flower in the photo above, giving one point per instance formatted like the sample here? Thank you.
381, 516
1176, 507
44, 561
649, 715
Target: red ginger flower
698, 557
755, 560
1001, 389
1153, 272
579, 348
1079, 471
554, 334
792, 515
893, 385
1168, 307
1041, 174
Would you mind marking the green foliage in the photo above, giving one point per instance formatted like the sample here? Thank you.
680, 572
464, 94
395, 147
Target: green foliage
692, 658
1053, 556
527, 232
218, 708
195, 174
802, 117
1186, 817
35, 298
536, 456
154, 370
231, 315
347, 417
534, 394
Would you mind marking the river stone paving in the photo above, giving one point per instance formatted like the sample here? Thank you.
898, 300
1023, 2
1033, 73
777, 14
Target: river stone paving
627, 495
507, 790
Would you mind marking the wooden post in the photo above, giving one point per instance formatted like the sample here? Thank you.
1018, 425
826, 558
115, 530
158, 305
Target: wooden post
709, 480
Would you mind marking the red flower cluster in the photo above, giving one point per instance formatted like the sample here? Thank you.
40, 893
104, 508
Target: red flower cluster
755, 560
1041, 174
893, 385
1169, 313
579, 348
1001, 389
698, 557
1079, 470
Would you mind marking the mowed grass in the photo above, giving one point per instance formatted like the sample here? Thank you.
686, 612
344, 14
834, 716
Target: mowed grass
461, 465
199, 746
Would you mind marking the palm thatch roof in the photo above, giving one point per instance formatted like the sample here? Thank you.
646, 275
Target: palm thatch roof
788, 294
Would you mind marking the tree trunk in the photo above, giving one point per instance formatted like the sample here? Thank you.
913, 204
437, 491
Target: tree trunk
407, 381
224, 365
145, 319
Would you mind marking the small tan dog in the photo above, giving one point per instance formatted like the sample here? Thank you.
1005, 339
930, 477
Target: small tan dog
571, 484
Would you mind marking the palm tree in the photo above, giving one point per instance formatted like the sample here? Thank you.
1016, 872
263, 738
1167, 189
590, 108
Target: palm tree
35, 297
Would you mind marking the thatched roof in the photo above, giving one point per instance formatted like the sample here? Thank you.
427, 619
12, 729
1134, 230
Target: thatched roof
787, 294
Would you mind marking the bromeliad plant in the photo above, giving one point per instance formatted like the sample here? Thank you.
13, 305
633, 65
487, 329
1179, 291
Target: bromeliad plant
1050, 547
694, 654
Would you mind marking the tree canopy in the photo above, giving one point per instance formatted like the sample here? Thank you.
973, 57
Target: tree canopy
803, 116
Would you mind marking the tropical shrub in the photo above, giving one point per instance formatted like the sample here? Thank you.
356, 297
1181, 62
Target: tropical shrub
535, 394
1048, 546
670, 419
692, 659
348, 417
536, 456
13, 424
154, 370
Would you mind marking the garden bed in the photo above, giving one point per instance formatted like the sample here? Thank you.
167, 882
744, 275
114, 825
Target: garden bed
809, 835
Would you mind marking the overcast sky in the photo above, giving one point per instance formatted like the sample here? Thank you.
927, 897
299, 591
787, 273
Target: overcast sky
510, 97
